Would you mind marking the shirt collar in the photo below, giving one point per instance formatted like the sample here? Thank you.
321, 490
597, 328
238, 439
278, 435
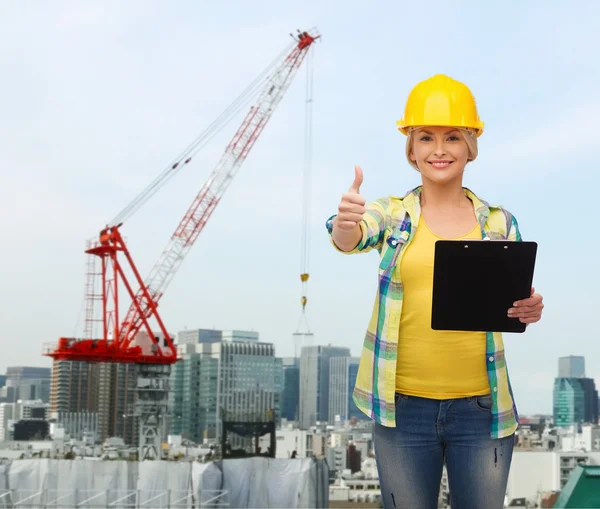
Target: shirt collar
412, 204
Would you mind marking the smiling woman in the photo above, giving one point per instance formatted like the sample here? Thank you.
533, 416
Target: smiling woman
437, 397
418, 138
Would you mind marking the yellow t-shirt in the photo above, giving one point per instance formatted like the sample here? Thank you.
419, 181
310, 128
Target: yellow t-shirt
431, 363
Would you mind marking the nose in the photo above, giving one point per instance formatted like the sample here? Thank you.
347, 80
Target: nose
439, 148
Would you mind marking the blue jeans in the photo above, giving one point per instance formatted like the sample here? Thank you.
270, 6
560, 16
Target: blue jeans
429, 433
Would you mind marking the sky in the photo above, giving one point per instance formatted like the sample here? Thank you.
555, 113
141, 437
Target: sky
96, 98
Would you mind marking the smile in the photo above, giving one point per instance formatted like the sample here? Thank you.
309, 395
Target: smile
440, 164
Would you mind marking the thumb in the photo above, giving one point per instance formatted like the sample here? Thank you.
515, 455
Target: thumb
358, 180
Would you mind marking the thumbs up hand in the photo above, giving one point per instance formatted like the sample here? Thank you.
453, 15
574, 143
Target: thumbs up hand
352, 207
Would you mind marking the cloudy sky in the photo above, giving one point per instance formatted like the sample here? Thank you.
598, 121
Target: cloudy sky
96, 98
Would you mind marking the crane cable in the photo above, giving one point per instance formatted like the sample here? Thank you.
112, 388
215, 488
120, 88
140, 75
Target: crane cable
306, 193
246, 97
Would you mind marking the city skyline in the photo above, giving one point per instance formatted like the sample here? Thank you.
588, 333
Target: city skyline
191, 337
100, 99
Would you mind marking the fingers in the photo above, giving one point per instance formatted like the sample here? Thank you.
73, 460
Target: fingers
358, 180
352, 201
534, 300
346, 225
528, 310
530, 320
526, 314
523, 310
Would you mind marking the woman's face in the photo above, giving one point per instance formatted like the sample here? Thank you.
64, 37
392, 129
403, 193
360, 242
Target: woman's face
441, 153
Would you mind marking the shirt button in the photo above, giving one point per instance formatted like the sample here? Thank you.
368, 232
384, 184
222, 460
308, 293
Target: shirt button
394, 242
491, 359
495, 389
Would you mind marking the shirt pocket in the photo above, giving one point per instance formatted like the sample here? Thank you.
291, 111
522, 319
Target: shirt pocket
392, 245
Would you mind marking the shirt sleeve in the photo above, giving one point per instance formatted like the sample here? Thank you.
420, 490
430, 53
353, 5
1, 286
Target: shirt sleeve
372, 227
514, 234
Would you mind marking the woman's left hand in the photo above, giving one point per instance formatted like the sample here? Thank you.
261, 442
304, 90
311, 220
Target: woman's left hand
528, 310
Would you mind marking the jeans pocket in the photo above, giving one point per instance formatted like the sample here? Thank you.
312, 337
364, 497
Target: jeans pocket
483, 403
398, 397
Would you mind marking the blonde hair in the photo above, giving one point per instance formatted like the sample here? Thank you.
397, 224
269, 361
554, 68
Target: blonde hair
469, 135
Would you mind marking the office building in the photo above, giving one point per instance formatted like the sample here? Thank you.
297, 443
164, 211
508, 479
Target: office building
197, 336
342, 378
290, 397
201, 336
194, 393
314, 383
237, 375
571, 367
575, 396
27, 383
568, 402
590, 400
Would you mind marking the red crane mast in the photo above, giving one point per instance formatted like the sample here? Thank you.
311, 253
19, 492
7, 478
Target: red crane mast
120, 342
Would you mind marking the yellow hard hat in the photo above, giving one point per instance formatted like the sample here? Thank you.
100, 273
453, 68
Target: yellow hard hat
440, 101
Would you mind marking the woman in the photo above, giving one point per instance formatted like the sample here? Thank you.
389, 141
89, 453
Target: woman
436, 396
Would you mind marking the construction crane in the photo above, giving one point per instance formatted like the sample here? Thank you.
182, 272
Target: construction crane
133, 340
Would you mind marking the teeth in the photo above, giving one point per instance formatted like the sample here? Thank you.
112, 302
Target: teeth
440, 165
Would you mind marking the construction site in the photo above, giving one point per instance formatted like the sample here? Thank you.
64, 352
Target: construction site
119, 369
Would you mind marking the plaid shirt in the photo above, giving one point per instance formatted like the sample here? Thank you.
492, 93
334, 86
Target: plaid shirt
388, 226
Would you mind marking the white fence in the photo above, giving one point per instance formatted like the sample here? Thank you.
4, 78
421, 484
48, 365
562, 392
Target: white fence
236, 483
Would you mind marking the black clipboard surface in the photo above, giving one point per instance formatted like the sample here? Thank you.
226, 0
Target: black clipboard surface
475, 282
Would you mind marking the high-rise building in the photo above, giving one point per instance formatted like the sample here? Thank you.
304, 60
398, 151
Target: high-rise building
193, 397
105, 389
314, 382
569, 400
571, 367
353, 410
575, 396
590, 400
342, 378
249, 382
278, 382
196, 336
290, 397
199, 336
73, 386
238, 375
27, 383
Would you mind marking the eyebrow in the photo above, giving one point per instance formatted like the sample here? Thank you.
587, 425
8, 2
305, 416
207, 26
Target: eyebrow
447, 132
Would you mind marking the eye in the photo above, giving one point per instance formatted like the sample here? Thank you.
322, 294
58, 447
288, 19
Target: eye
453, 138
425, 138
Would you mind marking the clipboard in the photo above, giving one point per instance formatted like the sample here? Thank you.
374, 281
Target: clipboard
475, 282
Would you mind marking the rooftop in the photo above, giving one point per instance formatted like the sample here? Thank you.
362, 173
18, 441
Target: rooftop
582, 490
